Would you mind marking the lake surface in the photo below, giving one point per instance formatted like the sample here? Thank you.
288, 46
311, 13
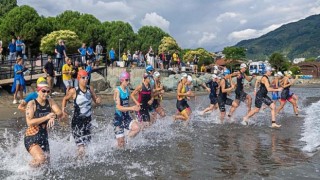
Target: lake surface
205, 149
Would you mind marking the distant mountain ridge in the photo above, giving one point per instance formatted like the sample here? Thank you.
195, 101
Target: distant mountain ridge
299, 39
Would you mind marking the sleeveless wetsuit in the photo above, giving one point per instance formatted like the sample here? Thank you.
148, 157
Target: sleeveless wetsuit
213, 91
223, 100
285, 94
144, 97
81, 121
262, 95
182, 103
38, 135
122, 120
240, 94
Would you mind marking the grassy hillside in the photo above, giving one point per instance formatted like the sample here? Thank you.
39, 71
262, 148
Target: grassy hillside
298, 39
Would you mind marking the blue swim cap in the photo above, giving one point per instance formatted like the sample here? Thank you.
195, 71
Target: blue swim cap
149, 68
226, 72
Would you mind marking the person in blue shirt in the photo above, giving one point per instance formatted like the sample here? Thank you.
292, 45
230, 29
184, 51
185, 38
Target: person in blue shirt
12, 50
31, 96
19, 47
112, 56
83, 53
19, 84
89, 70
90, 52
212, 86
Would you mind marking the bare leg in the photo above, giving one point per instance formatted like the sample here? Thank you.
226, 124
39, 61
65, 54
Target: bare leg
81, 151
234, 106
273, 116
39, 158
295, 107
250, 114
282, 103
134, 130
120, 142
249, 102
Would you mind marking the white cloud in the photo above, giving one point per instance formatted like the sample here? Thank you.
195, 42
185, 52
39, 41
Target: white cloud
251, 33
226, 16
206, 38
243, 21
153, 19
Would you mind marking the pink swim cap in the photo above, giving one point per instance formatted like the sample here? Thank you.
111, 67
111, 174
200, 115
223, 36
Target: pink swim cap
124, 75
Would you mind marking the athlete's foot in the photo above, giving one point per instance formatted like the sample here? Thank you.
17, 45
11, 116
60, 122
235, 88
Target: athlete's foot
201, 113
244, 121
174, 117
275, 125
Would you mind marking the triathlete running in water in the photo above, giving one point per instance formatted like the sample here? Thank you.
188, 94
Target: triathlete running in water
144, 100
157, 94
81, 120
262, 97
240, 94
122, 119
286, 95
40, 115
212, 87
225, 88
182, 94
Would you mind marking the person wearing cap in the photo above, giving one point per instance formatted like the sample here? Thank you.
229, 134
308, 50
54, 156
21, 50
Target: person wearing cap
157, 95
89, 70
30, 96
40, 115
150, 71
276, 84
182, 104
240, 94
81, 120
122, 119
226, 86
145, 100
286, 95
212, 87
262, 97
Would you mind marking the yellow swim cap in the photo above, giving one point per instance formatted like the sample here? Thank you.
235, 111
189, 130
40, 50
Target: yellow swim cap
41, 79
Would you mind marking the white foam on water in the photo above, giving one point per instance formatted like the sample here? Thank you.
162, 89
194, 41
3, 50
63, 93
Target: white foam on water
311, 128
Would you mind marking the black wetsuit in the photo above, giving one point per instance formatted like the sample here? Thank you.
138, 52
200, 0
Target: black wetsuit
38, 135
223, 100
144, 97
285, 94
213, 91
262, 95
240, 94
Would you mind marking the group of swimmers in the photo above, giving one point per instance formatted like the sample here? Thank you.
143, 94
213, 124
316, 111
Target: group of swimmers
42, 111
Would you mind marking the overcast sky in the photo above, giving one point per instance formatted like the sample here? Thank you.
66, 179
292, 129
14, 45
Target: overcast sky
212, 24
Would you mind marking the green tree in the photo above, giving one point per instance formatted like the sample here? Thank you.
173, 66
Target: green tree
150, 36
21, 21
234, 53
279, 62
6, 6
168, 44
204, 56
49, 41
118, 31
295, 70
312, 59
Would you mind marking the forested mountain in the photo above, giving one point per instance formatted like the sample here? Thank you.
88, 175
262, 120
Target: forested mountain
294, 40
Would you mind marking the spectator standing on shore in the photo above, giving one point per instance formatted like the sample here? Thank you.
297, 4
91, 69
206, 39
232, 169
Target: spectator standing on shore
203, 68
174, 61
66, 75
129, 58
99, 51
83, 52
12, 50
135, 58
195, 64
60, 51
19, 47
75, 70
150, 57
112, 56
24, 56
142, 62
91, 55
125, 59
19, 84
167, 60
89, 70
49, 71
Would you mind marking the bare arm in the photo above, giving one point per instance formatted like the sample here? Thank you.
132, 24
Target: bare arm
95, 98
118, 105
223, 85
70, 94
31, 121
55, 108
134, 93
22, 106
249, 79
267, 84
